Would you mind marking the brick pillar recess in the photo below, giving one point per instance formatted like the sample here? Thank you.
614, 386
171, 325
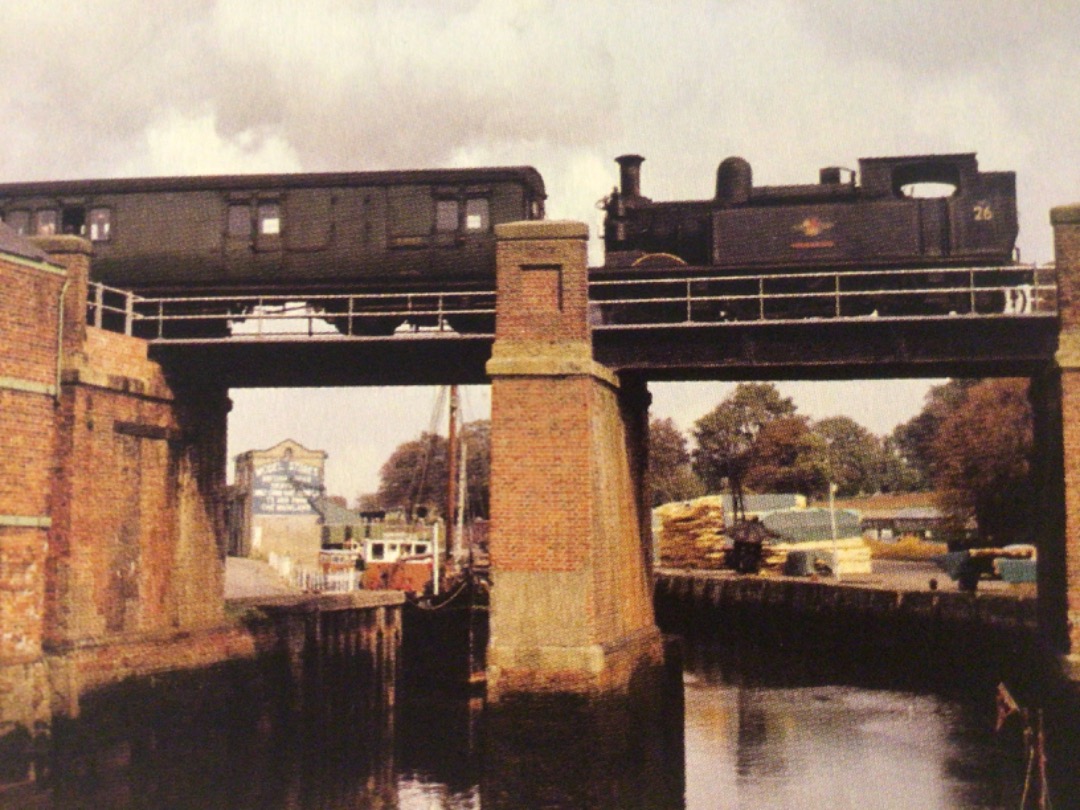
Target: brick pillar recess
1066, 222
571, 603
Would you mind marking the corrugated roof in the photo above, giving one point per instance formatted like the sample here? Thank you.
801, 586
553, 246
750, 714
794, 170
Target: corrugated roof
13, 244
800, 525
334, 515
758, 504
919, 513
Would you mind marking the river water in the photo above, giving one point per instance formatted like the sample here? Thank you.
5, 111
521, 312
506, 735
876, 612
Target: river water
738, 729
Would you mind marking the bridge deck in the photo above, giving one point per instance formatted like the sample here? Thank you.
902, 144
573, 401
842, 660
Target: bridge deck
829, 325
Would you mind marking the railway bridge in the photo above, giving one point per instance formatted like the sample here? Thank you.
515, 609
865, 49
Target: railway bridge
115, 410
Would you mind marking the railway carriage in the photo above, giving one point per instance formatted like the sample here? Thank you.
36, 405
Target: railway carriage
394, 232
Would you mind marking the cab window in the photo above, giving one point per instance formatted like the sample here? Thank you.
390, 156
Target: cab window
100, 222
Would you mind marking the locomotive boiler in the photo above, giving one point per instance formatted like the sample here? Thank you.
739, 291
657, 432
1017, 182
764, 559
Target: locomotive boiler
849, 230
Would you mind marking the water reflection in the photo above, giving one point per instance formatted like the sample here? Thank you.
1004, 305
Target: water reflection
760, 730
755, 742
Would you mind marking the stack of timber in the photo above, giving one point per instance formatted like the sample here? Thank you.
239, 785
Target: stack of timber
691, 534
807, 545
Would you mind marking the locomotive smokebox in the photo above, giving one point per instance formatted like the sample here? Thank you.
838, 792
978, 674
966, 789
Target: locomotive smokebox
630, 174
734, 180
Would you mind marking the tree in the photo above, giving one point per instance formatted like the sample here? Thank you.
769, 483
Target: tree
477, 438
895, 474
981, 461
855, 457
725, 436
416, 473
788, 456
915, 438
670, 476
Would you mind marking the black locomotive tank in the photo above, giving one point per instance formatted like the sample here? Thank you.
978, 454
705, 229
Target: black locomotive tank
856, 243
858, 219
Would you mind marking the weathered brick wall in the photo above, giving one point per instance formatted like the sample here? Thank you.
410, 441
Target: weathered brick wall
1066, 222
571, 601
111, 480
30, 309
135, 531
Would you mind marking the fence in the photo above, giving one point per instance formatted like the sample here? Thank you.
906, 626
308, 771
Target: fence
311, 580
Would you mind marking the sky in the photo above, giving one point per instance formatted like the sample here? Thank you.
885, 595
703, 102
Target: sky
126, 88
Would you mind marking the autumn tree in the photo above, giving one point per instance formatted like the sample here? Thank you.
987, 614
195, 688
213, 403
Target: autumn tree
981, 460
725, 436
670, 476
414, 476
787, 456
416, 473
857, 460
915, 438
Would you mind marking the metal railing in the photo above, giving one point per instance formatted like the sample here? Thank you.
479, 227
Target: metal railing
691, 298
291, 316
694, 298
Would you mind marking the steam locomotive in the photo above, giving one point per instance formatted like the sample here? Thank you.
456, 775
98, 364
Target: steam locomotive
817, 248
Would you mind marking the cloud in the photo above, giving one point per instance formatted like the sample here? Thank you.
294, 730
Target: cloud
176, 144
118, 87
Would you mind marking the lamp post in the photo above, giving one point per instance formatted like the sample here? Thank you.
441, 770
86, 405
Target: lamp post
832, 521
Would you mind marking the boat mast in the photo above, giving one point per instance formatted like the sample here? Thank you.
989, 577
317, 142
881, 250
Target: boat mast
452, 470
463, 478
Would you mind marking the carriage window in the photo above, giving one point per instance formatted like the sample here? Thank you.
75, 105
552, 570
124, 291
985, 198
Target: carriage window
18, 221
421, 548
446, 215
100, 220
378, 551
45, 222
73, 220
269, 219
239, 220
476, 214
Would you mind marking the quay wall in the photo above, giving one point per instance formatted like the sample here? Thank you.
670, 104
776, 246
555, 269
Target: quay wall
308, 656
938, 633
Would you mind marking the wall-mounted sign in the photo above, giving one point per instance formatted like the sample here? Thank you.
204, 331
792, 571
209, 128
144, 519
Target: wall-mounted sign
284, 487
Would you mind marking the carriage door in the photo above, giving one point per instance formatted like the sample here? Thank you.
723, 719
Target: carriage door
239, 230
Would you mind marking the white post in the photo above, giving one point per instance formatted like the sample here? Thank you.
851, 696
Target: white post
832, 520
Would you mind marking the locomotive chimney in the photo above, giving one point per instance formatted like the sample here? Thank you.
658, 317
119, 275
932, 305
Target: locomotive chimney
734, 181
630, 174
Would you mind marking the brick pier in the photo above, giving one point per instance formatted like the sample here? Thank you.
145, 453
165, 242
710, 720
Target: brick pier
571, 607
1065, 571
